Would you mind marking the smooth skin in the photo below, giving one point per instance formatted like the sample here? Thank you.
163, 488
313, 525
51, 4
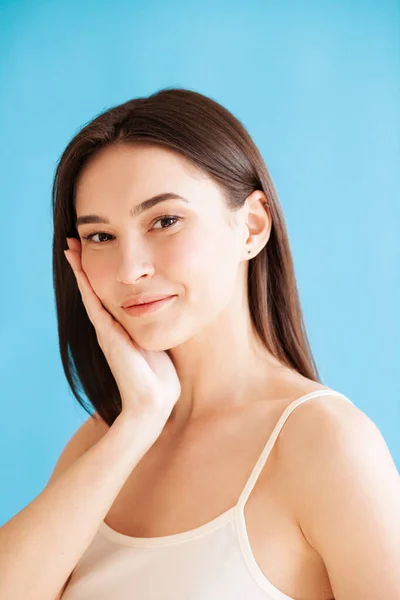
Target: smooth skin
336, 463
347, 491
339, 479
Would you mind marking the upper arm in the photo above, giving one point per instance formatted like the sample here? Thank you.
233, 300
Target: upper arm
347, 491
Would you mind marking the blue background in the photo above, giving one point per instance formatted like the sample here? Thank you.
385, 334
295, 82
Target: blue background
317, 84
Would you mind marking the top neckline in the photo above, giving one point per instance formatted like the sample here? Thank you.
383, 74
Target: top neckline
238, 509
167, 540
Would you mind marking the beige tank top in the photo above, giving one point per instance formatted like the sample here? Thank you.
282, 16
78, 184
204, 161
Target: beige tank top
211, 562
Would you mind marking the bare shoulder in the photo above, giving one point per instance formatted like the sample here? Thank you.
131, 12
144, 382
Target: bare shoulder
320, 427
329, 408
346, 492
320, 416
313, 437
97, 426
90, 432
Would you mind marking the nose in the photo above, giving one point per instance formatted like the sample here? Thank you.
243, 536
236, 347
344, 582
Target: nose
134, 264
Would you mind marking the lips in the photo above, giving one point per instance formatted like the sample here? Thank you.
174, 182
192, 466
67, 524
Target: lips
149, 308
144, 299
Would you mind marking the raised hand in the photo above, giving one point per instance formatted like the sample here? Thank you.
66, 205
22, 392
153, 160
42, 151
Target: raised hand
147, 380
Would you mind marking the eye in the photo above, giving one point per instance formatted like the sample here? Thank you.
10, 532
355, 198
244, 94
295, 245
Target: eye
90, 236
168, 218
174, 218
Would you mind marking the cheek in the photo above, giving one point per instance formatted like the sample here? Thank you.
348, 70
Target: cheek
205, 263
190, 256
97, 271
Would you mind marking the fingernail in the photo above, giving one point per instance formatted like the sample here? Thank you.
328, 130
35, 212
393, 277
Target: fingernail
68, 242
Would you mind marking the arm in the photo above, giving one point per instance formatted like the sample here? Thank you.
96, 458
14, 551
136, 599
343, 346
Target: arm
40, 546
347, 490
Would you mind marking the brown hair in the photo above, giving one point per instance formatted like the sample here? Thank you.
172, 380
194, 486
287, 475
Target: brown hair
207, 134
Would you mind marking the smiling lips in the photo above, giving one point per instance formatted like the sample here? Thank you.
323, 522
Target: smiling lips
144, 299
148, 307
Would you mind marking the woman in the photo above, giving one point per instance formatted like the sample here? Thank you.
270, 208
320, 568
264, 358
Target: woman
194, 481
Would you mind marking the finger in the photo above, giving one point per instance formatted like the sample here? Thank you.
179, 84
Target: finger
94, 308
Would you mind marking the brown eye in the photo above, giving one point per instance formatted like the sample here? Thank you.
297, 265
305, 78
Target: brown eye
91, 235
168, 218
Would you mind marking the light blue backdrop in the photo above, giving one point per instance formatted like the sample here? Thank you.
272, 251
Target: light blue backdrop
317, 84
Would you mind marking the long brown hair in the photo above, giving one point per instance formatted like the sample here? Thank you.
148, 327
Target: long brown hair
216, 142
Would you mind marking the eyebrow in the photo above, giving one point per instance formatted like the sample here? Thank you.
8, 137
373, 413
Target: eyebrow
136, 210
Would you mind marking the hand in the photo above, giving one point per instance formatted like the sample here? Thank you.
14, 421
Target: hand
147, 380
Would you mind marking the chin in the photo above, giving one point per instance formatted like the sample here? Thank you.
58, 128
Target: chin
164, 340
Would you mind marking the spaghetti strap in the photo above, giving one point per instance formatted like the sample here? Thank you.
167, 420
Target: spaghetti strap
271, 440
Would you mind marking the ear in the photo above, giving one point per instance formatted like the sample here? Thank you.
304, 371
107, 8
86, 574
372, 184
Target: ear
258, 221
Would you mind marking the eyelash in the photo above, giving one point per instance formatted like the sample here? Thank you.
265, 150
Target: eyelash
89, 236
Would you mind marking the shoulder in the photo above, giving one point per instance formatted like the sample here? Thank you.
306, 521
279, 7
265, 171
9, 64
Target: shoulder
315, 424
97, 423
330, 435
327, 414
346, 491
314, 432
90, 432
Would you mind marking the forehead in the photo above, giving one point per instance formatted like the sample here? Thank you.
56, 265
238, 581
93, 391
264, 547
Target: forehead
136, 172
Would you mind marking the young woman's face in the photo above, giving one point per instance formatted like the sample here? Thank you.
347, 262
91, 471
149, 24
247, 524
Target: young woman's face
194, 252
